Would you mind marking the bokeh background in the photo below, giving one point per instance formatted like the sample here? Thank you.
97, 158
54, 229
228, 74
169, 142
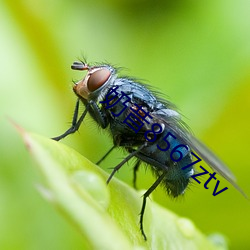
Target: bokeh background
195, 52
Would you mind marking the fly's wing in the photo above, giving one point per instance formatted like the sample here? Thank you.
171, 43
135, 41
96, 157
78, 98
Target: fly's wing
213, 161
174, 123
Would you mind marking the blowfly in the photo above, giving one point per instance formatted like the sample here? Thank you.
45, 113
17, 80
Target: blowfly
148, 127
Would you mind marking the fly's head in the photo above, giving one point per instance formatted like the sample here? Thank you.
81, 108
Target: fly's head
95, 80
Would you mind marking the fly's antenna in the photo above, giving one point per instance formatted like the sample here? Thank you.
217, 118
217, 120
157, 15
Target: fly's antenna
80, 66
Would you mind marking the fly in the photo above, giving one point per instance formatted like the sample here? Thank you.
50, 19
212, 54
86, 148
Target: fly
148, 127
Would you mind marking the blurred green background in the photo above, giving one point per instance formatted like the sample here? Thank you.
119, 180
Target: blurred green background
195, 52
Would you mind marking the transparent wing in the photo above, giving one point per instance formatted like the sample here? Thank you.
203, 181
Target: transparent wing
213, 161
179, 128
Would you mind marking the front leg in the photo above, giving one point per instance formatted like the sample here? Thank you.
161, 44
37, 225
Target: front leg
75, 124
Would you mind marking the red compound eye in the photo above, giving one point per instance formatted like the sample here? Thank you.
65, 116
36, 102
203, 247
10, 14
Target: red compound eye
97, 79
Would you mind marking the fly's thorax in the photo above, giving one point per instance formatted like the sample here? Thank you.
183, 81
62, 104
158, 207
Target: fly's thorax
93, 85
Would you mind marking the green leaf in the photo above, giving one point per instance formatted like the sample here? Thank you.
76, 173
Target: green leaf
107, 215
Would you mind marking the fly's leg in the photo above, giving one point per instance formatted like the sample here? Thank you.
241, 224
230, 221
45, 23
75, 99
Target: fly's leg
145, 196
124, 161
75, 124
136, 167
91, 107
105, 155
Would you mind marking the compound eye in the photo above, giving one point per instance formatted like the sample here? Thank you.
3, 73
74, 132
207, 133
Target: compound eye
97, 79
